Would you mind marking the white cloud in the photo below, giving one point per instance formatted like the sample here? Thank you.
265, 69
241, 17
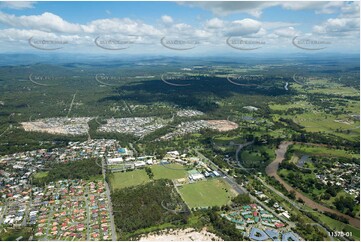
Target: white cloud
52, 23
167, 19
244, 27
124, 26
17, 5
255, 8
214, 23
46, 22
212, 31
220, 8
286, 32
338, 26
351, 9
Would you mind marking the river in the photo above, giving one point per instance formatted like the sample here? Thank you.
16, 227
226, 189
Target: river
271, 170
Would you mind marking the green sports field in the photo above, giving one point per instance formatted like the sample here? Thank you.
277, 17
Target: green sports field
208, 193
169, 171
120, 180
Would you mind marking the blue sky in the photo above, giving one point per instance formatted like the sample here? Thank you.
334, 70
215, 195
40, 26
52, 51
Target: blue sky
202, 26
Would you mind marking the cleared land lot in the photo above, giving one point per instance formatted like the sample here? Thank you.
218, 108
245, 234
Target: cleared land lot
208, 193
121, 180
169, 171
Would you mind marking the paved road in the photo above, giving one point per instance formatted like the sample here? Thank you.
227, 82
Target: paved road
240, 147
49, 220
225, 176
27, 211
241, 190
294, 79
86, 197
271, 170
110, 205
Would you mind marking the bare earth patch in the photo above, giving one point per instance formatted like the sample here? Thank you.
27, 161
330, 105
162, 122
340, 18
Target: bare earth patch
63, 125
181, 235
222, 125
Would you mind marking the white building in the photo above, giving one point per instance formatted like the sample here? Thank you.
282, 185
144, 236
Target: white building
197, 176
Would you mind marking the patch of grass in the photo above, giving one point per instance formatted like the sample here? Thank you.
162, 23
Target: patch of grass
208, 193
11, 234
325, 151
171, 171
299, 104
121, 180
339, 226
41, 174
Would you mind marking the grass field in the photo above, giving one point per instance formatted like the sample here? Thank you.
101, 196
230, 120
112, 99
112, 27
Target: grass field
299, 104
120, 180
318, 150
339, 226
160, 171
208, 193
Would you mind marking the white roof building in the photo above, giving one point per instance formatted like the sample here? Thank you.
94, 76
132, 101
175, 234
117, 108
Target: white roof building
197, 176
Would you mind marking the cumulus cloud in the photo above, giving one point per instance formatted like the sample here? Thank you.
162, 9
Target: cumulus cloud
17, 5
167, 19
124, 26
52, 23
46, 22
211, 31
214, 23
220, 8
286, 32
338, 26
244, 27
256, 8
347, 23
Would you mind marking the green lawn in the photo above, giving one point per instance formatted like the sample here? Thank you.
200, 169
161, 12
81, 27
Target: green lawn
318, 150
208, 193
339, 226
40, 174
299, 104
322, 122
120, 180
248, 156
160, 171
